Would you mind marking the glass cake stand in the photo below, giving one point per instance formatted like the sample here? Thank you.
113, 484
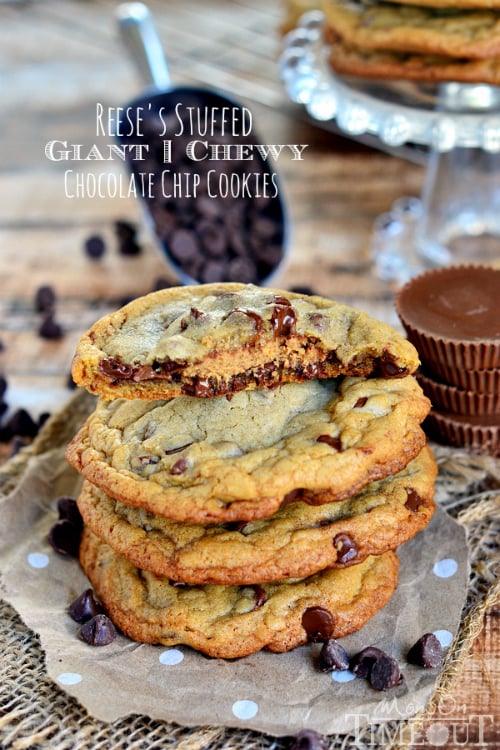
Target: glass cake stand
455, 126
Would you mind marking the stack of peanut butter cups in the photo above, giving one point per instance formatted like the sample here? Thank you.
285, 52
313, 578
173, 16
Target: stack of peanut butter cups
452, 316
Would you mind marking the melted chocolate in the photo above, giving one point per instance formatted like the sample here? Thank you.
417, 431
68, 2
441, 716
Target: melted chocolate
387, 367
318, 624
413, 500
333, 442
360, 402
283, 317
115, 369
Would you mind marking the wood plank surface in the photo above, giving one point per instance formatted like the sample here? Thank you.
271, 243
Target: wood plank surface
57, 59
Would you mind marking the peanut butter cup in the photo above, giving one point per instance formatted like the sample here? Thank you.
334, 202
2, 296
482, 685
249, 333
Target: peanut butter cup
452, 316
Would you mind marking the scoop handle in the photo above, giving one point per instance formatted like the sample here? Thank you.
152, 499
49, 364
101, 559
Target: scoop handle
139, 34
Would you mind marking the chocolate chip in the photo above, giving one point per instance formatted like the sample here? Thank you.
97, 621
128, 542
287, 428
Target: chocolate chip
21, 423
179, 467
333, 442
94, 246
413, 500
17, 444
283, 317
388, 367
360, 402
50, 328
332, 657
346, 548
64, 537
114, 368
45, 298
125, 230
68, 510
243, 270
260, 596
99, 631
427, 652
362, 662
385, 673
85, 607
308, 739
43, 417
184, 245
318, 624
3, 385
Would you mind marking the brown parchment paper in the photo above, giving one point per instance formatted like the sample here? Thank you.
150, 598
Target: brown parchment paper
285, 691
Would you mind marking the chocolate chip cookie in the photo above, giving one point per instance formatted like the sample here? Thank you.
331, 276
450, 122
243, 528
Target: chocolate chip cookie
470, 34
234, 621
238, 459
299, 540
349, 60
218, 339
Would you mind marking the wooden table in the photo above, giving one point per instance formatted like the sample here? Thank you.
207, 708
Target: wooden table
58, 59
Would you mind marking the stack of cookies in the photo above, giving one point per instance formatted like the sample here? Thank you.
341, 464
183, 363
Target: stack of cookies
254, 460
425, 40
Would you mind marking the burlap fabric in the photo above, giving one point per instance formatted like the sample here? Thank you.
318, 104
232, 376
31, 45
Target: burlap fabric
36, 714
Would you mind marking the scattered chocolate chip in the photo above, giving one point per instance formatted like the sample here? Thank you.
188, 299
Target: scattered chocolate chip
85, 607
427, 652
318, 624
179, 467
3, 385
95, 247
64, 537
360, 402
70, 383
99, 631
17, 444
413, 500
332, 657
43, 417
361, 663
68, 510
50, 328
333, 442
308, 739
45, 298
385, 673
346, 548
21, 423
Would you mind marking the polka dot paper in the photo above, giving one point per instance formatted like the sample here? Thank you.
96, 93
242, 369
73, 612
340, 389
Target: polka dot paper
278, 694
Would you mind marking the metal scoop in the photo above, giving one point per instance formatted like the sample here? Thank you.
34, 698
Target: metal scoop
213, 197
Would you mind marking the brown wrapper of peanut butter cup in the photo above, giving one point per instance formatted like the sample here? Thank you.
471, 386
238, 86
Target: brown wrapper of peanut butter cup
449, 398
452, 316
479, 434
481, 381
